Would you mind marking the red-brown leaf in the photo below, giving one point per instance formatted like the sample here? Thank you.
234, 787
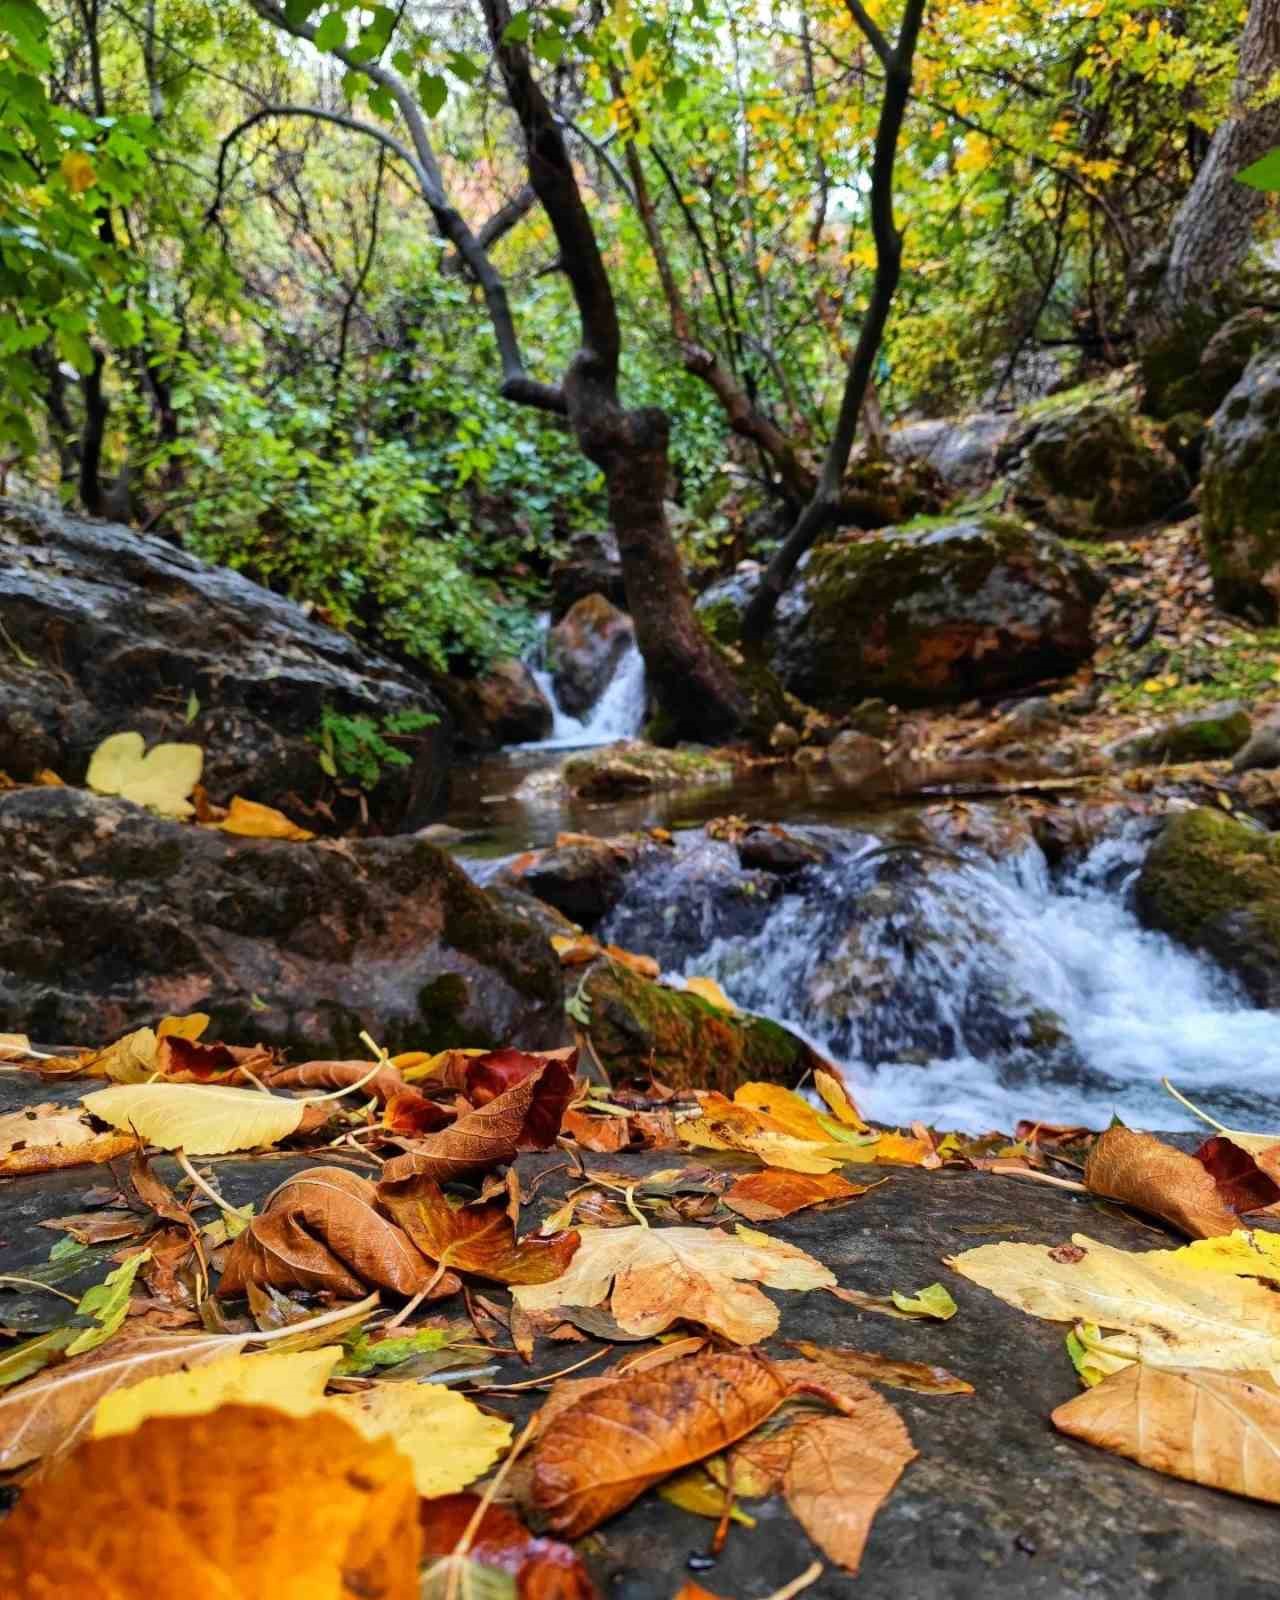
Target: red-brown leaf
181, 1058
601, 1134
477, 1238
544, 1569
412, 1113
489, 1076
1241, 1183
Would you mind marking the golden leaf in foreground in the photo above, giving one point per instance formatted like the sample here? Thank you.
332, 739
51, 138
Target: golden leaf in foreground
254, 821
1177, 1312
160, 779
1142, 1171
1221, 1429
204, 1119
244, 1504
660, 1275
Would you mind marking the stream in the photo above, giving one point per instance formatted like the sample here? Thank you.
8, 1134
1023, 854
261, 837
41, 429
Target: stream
966, 987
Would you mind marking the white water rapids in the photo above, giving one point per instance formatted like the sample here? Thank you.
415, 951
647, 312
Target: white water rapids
617, 714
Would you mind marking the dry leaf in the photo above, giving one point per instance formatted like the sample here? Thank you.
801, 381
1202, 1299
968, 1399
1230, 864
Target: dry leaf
725, 1125
295, 1508
841, 1471
182, 1059
660, 1275
380, 1085
448, 1439
869, 1364
485, 1077
160, 779
254, 821
543, 1569
526, 1117
1245, 1180
646, 966
293, 1382
764, 1196
604, 1450
1141, 1171
477, 1238
709, 990
1221, 1429
603, 1135
323, 1230
576, 950
202, 1119
838, 1100
47, 1138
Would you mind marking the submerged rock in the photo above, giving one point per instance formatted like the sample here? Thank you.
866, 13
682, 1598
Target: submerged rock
111, 918
1241, 494
633, 767
584, 649
1214, 884
109, 629
1208, 734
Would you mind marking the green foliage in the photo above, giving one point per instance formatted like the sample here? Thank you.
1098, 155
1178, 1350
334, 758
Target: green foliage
359, 750
1264, 174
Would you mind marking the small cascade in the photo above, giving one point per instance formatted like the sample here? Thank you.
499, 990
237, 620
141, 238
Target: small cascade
617, 714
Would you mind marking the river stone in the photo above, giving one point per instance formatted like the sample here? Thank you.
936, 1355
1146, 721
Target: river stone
1214, 884
591, 565
1096, 472
1240, 501
977, 606
108, 629
1262, 750
962, 450
111, 918
1209, 734
584, 649
507, 705
633, 767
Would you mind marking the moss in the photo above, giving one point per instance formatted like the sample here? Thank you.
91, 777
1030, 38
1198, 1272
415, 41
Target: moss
722, 621
1207, 735
637, 1026
441, 1005
635, 767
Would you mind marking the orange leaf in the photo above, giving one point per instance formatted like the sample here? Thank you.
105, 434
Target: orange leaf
295, 1508
477, 1238
602, 1134
785, 1110
544, 1569
411, 1112
326, 1075
841, 1471
1139, 1170
765, 1196
254, 821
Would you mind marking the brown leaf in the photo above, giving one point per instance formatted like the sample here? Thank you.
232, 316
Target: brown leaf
526, 1117
477, 1238
185, 1059
385, 1083
1221, 1429
411, 1112
841, 1471
46, 1138
100, 1227
544, 1569
155, 1194
1141, 1171
297, 1508
917, 1375
323, 1231
491, 1075
1241, 1178
600, 1454
765, 1196
604, 1135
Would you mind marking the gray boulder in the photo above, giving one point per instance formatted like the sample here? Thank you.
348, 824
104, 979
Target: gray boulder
961, 450
1241, 494
584, 649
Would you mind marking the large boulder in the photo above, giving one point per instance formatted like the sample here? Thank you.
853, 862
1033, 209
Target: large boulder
505, 706
584, 649
961, 450
1241, 494
973, 607
1210, 733
107, 629
1229, 352
591, 565
1214, 884
111, 918
1095, 472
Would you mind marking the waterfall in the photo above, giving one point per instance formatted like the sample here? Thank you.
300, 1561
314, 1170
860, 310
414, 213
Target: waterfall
617, 714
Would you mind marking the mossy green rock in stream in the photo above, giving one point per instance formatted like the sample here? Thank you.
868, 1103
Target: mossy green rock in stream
111, 918
633, 767
1209, 734
637, 1027
1241, 494
1214, 884
974, 607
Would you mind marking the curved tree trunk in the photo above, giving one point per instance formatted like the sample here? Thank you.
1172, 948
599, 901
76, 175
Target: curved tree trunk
1192, 283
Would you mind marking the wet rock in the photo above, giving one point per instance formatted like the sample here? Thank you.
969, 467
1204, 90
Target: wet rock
584, 649
633, 767
962, 450
1209, 734
883, 491
1229, 352
1262, 749
1240, 501
529, 909
110, 629
1095, 472
1214, 884
770, 848
976, 606
506, 706
856, 758
637, 1027
581, 881
592, 565
111, 918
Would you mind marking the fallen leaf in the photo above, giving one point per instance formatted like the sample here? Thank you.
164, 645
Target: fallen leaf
202, 1119
726, 1125
323, 1230
935, 1301
838, 1099
841, 1471
254, 821
1177, 1312
646, 966
1245, 1181
160, 779
764, 1196
447, 1437
488, 1076
576, 950
786, 1111
869, 1364
699, 1494
107, 1303
603, 1135
709, 990
478, 1238
1221, 1429
183, 1059
412, 1113
1142, 1171
1245, 1254
293, 1382
543, 1569
48, 1138
14, 1046
660, 1275
1094, 1357
380, 1084
526, 1117
298, 1508
604, 1450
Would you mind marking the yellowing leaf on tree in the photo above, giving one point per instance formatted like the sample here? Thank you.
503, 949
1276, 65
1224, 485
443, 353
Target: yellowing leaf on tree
204, 1119
78, 170
254, 821
1177, 1312
709, 990
160, 779
657, 1276
292, 1382
447, 1437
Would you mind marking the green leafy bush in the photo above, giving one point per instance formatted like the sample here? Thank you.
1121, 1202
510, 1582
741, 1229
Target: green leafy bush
357, 749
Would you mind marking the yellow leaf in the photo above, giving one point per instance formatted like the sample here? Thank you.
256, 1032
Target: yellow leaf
293, 1382
449, 1440
935, 1301
254, 821
160, 779
1242, 1254
698, 1493
204, 1119
414, 1065
188, 1027
709, 990
77, 169
794, 1115
1093, 1357
837, 1099
128, 1060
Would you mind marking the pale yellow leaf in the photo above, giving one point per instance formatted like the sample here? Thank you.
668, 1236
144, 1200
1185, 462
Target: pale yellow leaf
204, 1119
293, 1382
160, 779
449, 1440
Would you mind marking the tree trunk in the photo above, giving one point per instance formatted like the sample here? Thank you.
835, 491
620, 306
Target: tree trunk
1192, 284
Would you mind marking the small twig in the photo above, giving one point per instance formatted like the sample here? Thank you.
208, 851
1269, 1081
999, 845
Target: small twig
541, 1383
337, 1094
1194, 1110
180, 1156
34, 1283
408, 1310
808, 1576
1000, 1169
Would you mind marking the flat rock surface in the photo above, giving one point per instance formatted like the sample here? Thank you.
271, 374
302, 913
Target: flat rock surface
996, 1504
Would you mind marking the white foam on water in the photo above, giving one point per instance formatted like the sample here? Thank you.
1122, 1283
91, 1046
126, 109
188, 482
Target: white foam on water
617, 714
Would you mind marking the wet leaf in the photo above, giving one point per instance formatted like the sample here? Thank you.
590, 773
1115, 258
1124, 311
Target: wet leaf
543, 1569
447, 1437
254, 821
935, 1301
478, 1238
657, 1276
869, 1364
323, 1230
107, 1303
334, 1516
841, 1471
603, 1451
1221, 1429
1142, 1171
202, 1119
160, 779
764, 1196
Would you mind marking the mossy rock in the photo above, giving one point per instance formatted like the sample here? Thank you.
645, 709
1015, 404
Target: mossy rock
1213, 884
637, 1027
633, 767
1210, 734
1241, 497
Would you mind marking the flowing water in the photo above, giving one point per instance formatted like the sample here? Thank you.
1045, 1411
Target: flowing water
617, 714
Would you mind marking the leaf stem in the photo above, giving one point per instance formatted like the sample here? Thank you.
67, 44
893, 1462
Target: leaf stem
34, 1283
1194, 1110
